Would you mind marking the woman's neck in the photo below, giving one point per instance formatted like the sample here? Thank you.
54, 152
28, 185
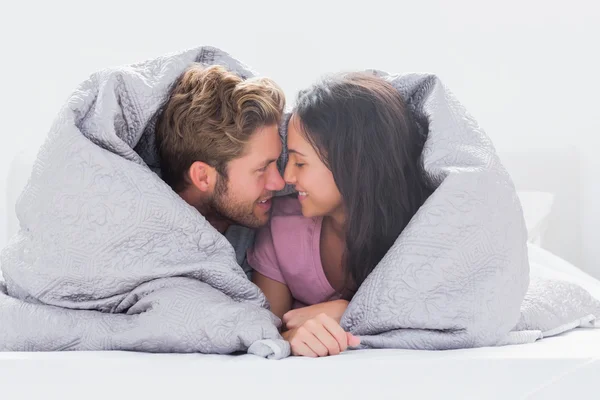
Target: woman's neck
336, 222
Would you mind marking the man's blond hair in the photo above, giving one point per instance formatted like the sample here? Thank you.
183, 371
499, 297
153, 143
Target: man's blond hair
209, 117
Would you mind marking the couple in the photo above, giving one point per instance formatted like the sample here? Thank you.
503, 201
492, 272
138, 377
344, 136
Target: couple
353, 159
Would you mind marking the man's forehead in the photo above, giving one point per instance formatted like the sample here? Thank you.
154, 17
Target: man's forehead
265, 145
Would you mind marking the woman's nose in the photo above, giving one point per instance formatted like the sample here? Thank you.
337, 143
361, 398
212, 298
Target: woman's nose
288, 174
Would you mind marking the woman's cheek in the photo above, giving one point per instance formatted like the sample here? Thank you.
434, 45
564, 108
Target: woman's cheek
300, 178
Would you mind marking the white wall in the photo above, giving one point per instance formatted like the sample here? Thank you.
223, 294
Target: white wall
526, 70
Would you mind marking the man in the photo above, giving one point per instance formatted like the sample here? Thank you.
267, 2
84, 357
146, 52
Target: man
218, 143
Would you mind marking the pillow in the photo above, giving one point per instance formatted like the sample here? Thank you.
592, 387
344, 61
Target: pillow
536, 210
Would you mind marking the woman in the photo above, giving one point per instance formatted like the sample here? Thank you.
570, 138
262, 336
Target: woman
354, 160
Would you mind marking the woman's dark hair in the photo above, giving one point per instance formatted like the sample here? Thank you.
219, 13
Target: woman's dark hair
362, 130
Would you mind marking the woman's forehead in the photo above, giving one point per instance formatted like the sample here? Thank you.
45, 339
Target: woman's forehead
294, 136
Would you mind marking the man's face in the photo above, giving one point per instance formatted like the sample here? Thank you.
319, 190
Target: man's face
245, 196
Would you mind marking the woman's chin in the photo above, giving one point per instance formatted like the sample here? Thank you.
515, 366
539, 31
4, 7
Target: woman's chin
307, 212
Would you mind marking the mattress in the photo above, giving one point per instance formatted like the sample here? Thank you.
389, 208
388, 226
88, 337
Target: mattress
559, 367
553, 368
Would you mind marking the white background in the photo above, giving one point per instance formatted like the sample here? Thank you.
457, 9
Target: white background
528, 71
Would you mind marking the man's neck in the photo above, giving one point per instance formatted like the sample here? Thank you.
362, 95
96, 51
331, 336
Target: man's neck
218, 223
199, 202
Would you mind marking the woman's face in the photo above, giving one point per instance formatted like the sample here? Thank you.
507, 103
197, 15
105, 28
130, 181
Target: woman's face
317, 191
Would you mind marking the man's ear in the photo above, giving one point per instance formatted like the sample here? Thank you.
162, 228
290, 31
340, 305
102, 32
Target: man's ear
202, 176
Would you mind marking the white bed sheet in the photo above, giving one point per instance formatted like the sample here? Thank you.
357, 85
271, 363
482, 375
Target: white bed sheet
554, 368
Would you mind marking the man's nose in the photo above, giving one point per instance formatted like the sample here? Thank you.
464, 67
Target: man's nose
275, 181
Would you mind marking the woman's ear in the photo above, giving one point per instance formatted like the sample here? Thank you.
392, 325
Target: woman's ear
202, 176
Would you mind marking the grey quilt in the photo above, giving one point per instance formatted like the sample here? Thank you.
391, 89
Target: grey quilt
458, 275
108, 257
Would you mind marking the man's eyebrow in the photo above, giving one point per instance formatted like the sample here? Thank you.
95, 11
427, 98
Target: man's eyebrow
268, 162
292, 151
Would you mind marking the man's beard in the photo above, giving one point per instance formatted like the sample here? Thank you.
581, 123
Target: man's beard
225, 206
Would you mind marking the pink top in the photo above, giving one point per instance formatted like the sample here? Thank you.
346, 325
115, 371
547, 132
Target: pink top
288, 250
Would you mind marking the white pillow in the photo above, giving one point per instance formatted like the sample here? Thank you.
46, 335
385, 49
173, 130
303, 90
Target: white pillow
536, 210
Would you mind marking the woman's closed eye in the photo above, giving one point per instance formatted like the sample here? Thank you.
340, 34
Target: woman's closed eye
299, 165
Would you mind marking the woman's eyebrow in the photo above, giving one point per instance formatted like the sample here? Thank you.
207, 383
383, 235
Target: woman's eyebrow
295, 152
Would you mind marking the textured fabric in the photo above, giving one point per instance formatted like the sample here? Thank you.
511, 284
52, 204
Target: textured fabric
108, 257
457, 275
288, 250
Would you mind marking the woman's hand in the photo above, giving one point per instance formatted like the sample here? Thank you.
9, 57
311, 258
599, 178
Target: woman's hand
334, 309
319, 337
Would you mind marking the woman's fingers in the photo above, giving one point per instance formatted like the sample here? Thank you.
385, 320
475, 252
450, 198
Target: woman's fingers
299, 348
309, 337
353, 341
335, 330
321, 336
316, 327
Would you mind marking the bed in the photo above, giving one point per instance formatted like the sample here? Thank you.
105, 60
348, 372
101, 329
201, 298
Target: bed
558, 367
